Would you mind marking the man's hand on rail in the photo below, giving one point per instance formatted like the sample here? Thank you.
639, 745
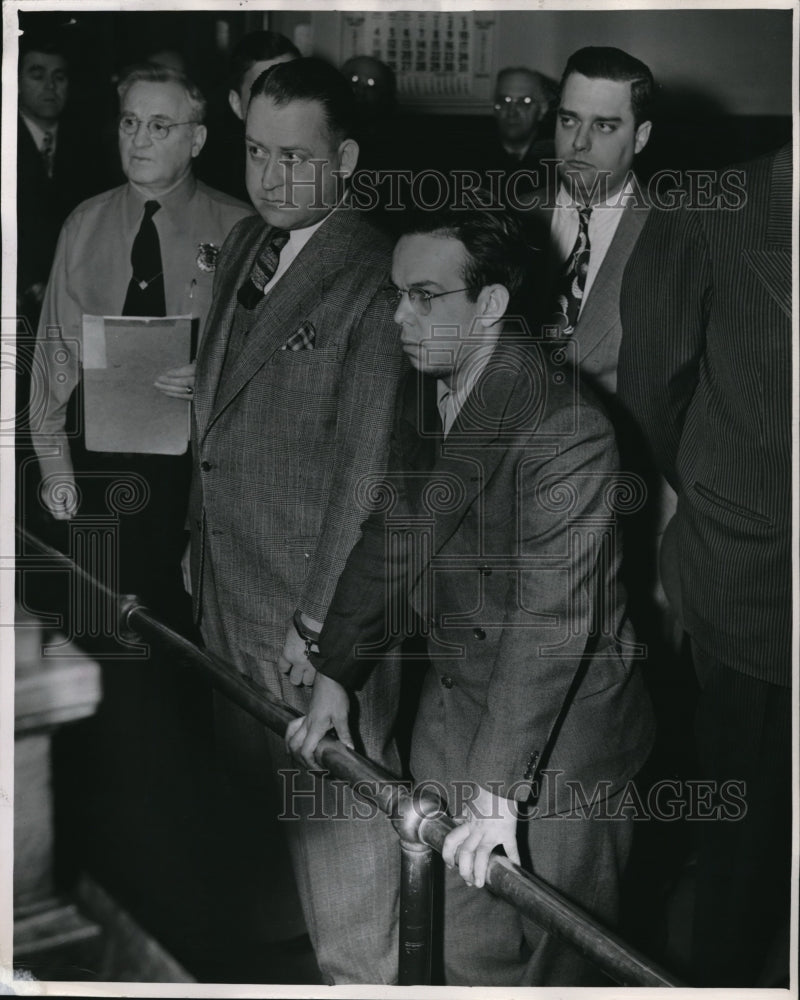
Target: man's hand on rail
293, 660
329, 709
488, 821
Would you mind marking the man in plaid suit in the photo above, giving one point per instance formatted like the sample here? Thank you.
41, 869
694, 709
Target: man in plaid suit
296, 378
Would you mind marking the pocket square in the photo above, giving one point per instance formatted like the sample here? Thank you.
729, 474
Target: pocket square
302, 339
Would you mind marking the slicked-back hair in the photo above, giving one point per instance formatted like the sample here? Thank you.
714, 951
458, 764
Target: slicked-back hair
150, 73
496, 250
607, 63
311, 79
258, 46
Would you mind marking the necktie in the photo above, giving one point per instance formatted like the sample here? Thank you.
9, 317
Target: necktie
569, 291
444, 401
146, 289
48, 143
264, 267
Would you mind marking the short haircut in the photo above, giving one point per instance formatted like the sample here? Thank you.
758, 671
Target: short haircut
49, 45
150, 73
496, 249
607, 63
538, 78
311, 79
258, 46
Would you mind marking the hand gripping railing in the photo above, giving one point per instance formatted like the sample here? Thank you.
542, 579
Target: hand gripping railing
420, 821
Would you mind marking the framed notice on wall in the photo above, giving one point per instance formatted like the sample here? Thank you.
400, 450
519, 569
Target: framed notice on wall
441, 59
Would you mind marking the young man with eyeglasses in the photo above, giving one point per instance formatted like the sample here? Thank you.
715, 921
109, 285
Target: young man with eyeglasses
499, 544
145, 248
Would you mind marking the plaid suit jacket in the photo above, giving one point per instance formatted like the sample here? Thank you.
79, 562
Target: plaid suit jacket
280, 449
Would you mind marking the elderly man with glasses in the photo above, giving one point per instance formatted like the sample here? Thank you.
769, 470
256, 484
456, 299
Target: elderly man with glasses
147, 248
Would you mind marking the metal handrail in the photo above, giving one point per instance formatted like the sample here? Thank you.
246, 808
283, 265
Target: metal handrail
421, 822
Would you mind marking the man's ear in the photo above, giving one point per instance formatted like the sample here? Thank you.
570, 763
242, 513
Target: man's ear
641, 137
348, 156
492, 303
199, 139
236, 104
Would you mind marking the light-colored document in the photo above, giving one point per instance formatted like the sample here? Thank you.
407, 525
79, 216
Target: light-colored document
122, 356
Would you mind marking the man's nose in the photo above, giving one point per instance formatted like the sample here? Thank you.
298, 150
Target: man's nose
582, 138
142, 137
404, 310
273, 174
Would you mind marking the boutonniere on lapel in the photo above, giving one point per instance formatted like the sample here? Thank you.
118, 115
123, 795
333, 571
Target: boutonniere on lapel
207, 254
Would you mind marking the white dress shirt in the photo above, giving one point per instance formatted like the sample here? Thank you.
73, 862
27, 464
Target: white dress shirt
603, 224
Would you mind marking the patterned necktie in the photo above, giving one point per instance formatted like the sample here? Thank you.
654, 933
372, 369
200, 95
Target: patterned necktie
569, 291
146, 289
264, 267
48, 144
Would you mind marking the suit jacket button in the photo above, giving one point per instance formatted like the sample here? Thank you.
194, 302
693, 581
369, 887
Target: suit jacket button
479, 633
486, 570
205, 466
447, 681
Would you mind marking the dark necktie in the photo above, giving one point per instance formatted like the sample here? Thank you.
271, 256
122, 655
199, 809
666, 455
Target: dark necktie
46, 151
146, 289
264, 267
569, 291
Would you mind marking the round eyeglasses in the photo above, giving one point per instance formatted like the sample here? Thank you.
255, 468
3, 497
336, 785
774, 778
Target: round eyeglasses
129, 125
419, 298
506, 103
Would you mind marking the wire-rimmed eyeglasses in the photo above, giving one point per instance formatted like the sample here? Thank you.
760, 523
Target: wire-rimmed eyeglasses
419, 298
129, 125
505, 102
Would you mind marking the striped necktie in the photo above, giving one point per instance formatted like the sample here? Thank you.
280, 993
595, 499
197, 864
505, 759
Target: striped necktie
264, 267
569, 291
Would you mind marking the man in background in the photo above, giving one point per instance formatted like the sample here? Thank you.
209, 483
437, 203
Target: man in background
223, 161
147, 248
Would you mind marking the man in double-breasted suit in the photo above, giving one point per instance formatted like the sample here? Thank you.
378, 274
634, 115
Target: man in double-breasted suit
705, 367
502, 473
296, 377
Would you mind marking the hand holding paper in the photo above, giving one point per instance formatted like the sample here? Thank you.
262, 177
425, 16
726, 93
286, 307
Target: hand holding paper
177, 382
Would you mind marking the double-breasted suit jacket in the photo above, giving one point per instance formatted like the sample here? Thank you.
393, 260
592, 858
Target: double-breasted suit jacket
512, 574
514, 520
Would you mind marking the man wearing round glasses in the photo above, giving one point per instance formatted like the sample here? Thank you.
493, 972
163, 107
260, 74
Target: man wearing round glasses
499, 474
147, 248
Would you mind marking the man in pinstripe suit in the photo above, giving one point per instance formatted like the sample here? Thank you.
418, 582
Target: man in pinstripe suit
296, 378
705, 367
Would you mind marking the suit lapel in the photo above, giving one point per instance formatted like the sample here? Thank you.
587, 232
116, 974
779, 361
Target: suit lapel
773, 266
600, 312
473, 448
214, 344
298, 291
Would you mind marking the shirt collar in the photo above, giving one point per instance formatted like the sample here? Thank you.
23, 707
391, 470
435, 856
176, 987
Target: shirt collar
173, 202
37, 132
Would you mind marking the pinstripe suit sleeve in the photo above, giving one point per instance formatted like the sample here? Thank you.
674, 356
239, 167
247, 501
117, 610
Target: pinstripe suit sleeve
369, 379
664, 307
